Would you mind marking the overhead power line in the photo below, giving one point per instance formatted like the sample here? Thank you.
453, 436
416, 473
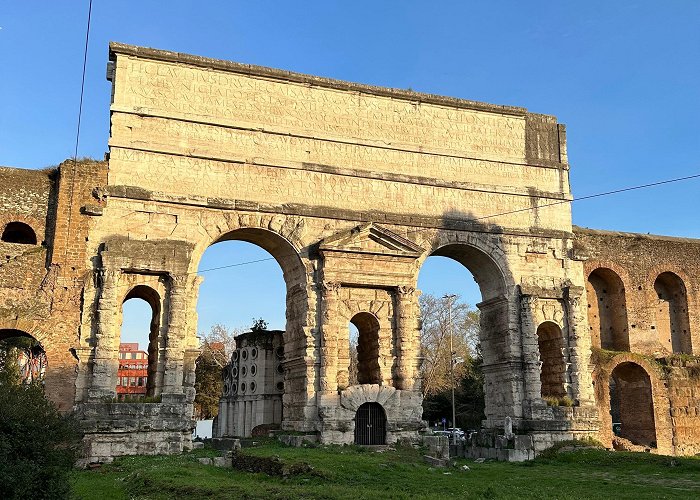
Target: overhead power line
560, 202
82, 83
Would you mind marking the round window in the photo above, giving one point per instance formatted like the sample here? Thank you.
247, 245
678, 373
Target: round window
244, 354
254, 353
280, 386
243, 387
244, 371
234, 388
280, 370
234, 372
253, 370
252, 387
280, 352
227, 389
225, 373
234, 356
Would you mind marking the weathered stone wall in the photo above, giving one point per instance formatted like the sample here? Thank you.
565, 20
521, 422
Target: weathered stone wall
41, 285
627, 266
638, 260
350, 188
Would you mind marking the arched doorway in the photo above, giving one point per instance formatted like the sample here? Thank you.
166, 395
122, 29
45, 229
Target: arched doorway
21, 355
370, 425
607, 310
632, 404
672, 323
447, 306
553, 369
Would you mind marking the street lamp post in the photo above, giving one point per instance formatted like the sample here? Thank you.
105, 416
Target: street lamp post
449, 299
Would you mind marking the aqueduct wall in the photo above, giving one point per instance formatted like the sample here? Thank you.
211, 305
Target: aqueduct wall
350, 188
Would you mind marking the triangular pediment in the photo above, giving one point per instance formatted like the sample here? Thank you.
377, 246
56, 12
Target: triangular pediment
371, 239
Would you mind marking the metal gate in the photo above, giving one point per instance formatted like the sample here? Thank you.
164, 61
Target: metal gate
370, 424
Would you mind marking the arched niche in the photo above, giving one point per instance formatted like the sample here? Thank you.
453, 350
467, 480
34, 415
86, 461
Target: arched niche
550, 342
367, 349
607, 310
18, 232
671, 313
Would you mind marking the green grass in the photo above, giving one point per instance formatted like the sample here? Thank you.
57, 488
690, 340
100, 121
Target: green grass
356, 473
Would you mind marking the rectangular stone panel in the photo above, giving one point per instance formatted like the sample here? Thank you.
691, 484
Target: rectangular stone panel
238, 144
196, 177
209, 95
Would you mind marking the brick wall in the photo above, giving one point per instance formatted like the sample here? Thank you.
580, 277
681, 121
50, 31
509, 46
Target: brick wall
643, 296
41, 285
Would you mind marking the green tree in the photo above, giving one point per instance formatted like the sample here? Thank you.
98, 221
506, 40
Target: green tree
38, 445
468, 377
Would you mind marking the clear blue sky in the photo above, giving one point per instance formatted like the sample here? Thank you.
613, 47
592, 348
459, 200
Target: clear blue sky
623, 77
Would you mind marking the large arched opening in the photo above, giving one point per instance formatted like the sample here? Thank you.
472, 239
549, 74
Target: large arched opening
464, 300
632, 404
607, 310
252, 307
22, 356
672, 322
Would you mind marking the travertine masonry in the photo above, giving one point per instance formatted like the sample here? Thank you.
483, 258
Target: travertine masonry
350, 188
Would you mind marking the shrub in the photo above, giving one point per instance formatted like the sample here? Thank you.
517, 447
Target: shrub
38, 445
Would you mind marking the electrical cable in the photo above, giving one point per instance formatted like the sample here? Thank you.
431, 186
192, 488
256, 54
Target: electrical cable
82, 84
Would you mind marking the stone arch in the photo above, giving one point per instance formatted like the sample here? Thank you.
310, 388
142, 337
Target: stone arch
368, 369
671, 313
659, 398
607, 310
550, 342
632, 404
483, 256
27, 327
156, 344
31, 355
19, 232
268, 232
480, 254
382, 310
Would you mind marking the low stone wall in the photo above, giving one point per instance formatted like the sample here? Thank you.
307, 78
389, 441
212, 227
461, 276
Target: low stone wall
116, 429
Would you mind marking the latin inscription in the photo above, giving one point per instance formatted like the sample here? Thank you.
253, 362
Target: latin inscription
241, 98
235, 144
181, 175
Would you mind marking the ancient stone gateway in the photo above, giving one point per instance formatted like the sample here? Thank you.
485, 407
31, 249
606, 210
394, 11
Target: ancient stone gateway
350, 188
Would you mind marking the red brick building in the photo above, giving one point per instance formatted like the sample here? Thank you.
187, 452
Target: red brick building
132, 376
